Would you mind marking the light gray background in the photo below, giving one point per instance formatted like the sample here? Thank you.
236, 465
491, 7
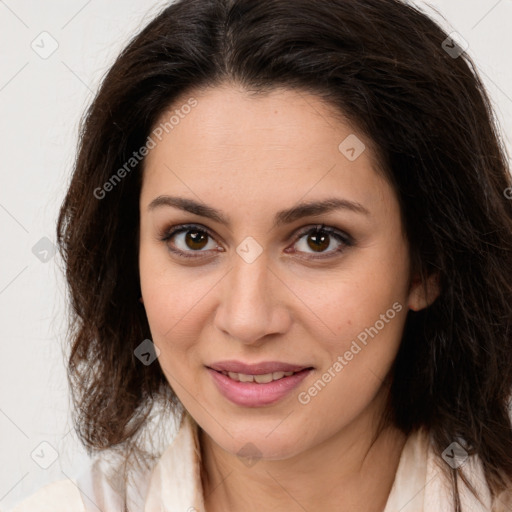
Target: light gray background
41, 101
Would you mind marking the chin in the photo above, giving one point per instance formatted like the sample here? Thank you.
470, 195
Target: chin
265, 442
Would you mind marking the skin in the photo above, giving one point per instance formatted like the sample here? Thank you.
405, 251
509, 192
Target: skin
252, 157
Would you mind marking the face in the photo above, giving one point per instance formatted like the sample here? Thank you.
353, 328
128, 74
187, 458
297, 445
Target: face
247, 277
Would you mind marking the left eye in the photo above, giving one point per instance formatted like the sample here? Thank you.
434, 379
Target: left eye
320, 238
317, 238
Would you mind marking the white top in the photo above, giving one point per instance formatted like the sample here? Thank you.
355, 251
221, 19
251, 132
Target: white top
174, 483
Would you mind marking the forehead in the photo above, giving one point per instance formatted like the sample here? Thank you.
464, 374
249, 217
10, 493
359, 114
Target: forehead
284, 143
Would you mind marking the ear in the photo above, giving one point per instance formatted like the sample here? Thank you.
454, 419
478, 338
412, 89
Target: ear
421, 296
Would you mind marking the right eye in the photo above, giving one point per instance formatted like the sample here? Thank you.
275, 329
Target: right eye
189, 238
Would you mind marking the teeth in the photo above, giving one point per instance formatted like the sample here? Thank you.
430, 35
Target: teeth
263, 379
260, 379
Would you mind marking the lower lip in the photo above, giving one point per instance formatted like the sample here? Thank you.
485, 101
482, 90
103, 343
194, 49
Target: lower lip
252, 394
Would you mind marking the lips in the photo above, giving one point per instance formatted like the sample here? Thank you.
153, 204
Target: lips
257, 389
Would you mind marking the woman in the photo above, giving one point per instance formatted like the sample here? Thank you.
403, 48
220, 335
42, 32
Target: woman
288, 230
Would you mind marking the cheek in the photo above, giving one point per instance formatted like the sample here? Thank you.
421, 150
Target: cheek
368, 324
171, 296
362, 295
174, 322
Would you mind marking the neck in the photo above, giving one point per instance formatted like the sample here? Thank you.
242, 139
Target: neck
343, 473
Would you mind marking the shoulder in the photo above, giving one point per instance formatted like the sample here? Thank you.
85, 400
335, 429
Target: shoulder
467, 469
422, 480
113, 480
101, 485
58, 496
504, 500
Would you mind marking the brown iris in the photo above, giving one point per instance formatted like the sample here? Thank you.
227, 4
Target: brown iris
196, 239
321, 240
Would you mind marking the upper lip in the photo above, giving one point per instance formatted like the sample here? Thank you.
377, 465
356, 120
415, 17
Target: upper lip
256, 368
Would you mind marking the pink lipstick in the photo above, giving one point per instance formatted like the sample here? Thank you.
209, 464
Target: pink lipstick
257, 384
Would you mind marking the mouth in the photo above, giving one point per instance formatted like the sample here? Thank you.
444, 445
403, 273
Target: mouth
257, 385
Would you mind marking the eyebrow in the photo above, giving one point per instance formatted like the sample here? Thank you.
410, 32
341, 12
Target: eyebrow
282, 217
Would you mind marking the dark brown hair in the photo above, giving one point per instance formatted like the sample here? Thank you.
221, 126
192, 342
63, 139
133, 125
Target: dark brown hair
384, 65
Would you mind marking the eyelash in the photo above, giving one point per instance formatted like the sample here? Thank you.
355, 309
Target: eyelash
346, 240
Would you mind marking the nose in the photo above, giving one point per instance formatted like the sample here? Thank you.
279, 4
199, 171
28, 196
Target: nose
252, 304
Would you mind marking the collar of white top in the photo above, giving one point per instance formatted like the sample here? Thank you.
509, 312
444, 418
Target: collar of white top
419, 484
